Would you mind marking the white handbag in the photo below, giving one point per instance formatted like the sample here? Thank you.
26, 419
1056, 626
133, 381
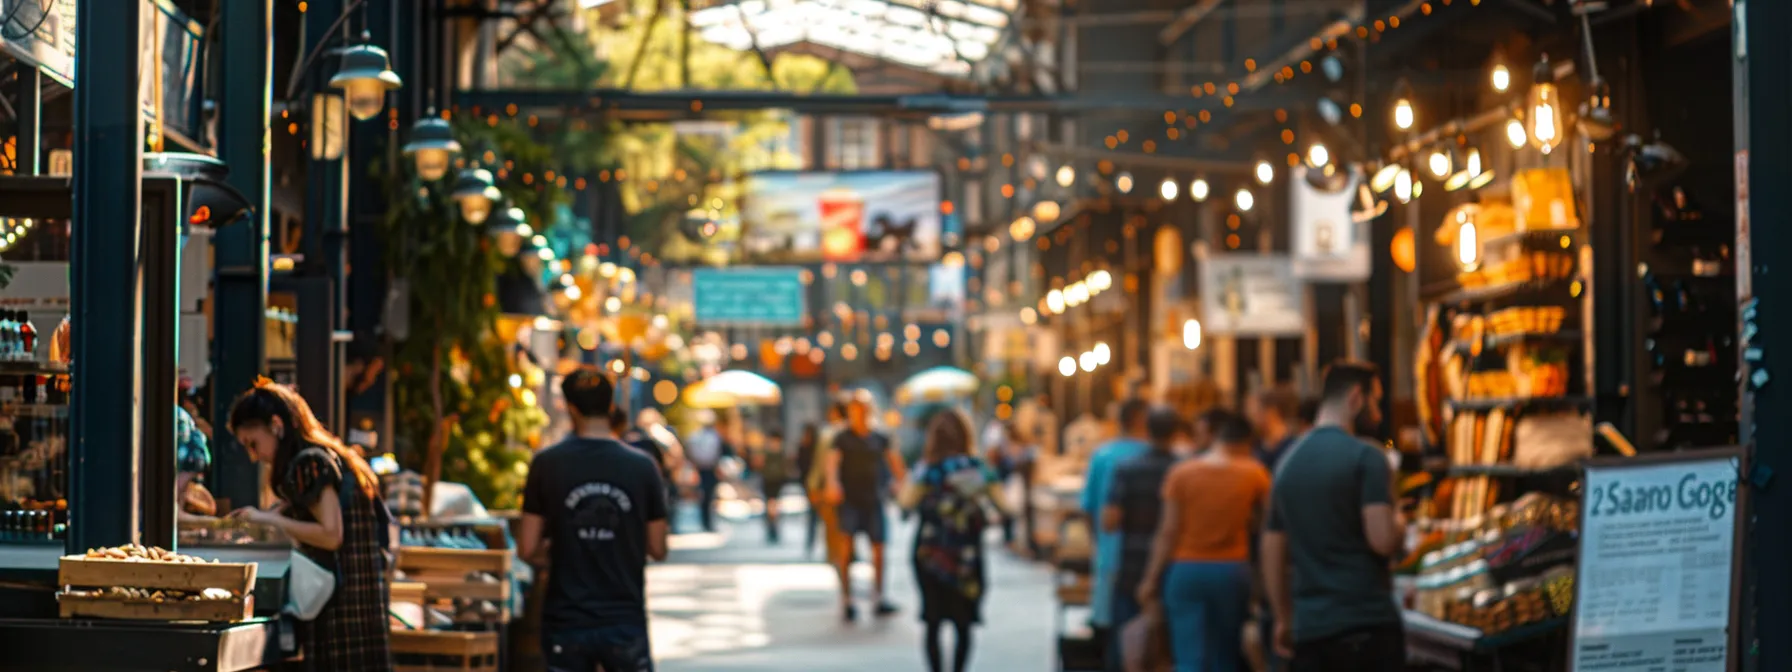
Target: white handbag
308, 587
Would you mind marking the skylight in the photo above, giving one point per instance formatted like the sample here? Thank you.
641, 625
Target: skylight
942, 36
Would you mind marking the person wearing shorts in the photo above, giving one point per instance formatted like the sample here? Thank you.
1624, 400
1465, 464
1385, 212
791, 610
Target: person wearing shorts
862, 471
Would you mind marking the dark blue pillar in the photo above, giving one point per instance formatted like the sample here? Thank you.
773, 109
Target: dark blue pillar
241, 250
326, 210
1763, 169
105, 440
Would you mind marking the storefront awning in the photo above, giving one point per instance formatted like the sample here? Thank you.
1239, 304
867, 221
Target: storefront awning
940, 36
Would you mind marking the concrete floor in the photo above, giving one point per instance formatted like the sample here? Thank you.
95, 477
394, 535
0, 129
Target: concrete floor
732, 602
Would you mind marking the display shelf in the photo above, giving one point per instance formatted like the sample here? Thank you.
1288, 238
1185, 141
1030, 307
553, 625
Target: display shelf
1553, 236
1467, 639
1505, 290
1519, 403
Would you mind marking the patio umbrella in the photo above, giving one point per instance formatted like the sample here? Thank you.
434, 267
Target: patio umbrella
935, 384
733, 388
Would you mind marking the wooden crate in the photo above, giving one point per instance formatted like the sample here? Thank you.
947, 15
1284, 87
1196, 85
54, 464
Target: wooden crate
83, 572
443, 573
100, 606
444, 650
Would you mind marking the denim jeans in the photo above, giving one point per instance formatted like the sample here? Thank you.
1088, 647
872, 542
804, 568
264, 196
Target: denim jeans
1207, 605
616, 648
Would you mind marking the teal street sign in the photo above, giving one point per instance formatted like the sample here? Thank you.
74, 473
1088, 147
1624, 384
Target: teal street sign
771, 297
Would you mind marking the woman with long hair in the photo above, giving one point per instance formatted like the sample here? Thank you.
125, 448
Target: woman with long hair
950, 493
330, 507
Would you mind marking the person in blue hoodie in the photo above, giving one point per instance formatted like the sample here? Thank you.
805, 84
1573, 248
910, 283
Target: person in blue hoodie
1134, 440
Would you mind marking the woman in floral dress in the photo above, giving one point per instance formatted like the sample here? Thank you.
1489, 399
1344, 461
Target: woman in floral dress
330, 507
950, 494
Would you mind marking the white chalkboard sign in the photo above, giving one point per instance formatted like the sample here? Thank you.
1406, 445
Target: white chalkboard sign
1658, 565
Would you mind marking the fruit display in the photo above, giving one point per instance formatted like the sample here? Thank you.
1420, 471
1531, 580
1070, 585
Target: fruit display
141, 553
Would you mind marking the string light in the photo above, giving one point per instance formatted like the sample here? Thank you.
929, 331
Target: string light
1168, 189
1403, 114
1515, 134
1191, 334
1244, 200
1124, 182
1265, 173
1066, 175
1317, 155
1067, 366
1502, 78
1198, 189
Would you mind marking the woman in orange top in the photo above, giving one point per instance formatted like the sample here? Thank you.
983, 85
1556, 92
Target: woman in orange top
1200, 568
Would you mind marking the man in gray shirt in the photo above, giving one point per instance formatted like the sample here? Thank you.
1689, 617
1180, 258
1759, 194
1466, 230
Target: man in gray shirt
1333, 534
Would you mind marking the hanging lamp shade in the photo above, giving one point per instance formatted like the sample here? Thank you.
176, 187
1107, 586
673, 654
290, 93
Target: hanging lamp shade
432, 147
476, 193
365, 77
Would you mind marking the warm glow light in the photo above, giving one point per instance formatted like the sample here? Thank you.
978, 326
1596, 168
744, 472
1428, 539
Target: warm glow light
1198, 189
1265, 172
366, 97
1403, 114
1124, 183
516, 381
1502, 78
1404, 249
941, 338
1046, 210
1515, 133
1318, 155
1066, 175
1403, 186
1077, 293
1103, 354
1022, 229
1168, 189
1086, 361
1473, 163
1468, 244
1244, 200
431, 163
475, 208
1546, 117
1067, 366
1028, 315
573, 293
1191, 334
1440, 164
1054, 301
1100, 280
613, 304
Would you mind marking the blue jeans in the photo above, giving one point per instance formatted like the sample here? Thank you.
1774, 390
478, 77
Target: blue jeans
1207, 605
616, 648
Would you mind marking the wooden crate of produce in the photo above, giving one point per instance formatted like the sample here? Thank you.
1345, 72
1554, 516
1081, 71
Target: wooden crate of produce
421, 559
76, 605
425, 650
84, 572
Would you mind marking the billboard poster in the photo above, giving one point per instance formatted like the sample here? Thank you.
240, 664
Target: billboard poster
1251, 295
865, 216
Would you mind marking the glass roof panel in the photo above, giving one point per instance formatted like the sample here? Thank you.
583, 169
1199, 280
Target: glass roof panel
941, 36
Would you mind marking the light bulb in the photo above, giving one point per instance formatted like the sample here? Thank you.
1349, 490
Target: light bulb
1199, 190
1317, 155
546, 254
1473, 163
613, 304
1468, 244
1066, 175
365, 96
1101, 280
432, 163
1244, 200
1067, 366
1054, 301
1515, 133
1191, 334
1046, 210
1502, 78
1168, 189
475, 208
1403, 186
1440, 164
1546, 117
1103, 354
1022, 229
1124, 183
573, 293
1265, 172
1087, 361
1403, 114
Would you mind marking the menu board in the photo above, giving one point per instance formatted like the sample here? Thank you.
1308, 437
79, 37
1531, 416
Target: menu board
1655, 588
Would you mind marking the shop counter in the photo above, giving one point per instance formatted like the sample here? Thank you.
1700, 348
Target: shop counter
47, 644
1439, 644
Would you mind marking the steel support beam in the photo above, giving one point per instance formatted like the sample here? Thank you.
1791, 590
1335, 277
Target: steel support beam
239, 351
105, 440
696, 103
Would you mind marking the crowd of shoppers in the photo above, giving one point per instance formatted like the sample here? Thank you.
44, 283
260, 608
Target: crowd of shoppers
1282, 510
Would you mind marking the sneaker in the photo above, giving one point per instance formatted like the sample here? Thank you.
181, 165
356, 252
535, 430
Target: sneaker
849, 613
885, 608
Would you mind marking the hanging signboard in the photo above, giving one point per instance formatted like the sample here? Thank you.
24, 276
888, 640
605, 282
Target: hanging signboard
43, 34
1251, 295
1655, 588
1327, 245
765, 296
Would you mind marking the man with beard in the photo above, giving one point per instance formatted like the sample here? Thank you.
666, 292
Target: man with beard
1333, 535
597, 509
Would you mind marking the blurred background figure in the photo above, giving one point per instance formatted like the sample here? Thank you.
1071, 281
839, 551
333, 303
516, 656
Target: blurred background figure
705, 452
773, 465
951, 495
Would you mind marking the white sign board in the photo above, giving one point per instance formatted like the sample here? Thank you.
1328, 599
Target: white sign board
1654, 588
1251, 295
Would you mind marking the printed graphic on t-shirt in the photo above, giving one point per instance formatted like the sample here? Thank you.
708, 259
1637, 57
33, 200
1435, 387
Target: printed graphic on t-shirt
596, 510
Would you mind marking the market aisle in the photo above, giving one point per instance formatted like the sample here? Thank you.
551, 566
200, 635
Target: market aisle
729, 602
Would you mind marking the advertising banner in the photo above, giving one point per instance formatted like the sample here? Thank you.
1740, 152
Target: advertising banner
771, 297
1327, 245
870, 216
1251, 295
1655, 589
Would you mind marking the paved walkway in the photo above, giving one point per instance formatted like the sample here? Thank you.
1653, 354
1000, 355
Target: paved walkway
731, 602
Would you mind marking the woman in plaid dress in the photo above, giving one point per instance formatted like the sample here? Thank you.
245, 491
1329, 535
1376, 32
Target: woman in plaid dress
330, 508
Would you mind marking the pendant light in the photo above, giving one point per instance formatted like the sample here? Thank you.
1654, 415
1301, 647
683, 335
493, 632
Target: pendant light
1440, 162
1383, 179
1471, 168
1403, 184
1545, 105
475, 192
432, 147
365, 77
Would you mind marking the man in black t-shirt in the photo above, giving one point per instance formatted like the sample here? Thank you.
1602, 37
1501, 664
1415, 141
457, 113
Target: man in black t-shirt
595, 509
862, 472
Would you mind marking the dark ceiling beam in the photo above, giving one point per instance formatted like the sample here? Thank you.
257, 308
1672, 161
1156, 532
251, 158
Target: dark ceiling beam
1208, 164
1335, 29
696, 103
1186, 20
